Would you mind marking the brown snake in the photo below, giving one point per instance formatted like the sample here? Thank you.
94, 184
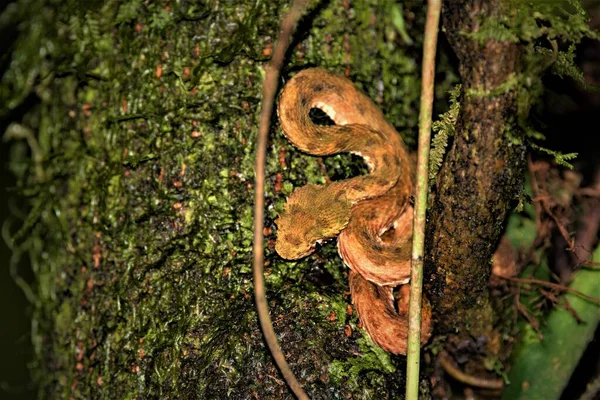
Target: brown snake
371, 214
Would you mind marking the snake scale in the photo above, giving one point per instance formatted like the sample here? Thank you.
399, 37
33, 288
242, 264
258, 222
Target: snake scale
370, 214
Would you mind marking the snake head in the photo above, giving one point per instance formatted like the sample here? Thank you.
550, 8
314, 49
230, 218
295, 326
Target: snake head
297, 235
312, 214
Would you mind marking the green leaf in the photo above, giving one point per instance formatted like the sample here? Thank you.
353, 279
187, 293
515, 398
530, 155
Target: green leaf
541, 369
559, 158
398, 22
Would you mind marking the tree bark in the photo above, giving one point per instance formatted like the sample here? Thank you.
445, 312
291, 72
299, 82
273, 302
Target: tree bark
481, 178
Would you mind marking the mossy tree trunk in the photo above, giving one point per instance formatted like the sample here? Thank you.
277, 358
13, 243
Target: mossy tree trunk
140, 121
481, 180
500, 63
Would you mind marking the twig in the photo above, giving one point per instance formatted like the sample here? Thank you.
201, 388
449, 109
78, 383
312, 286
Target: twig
542, 200
463, 377
288, 25
573, 312
590, 265
416, 275
589, 224
532, 321
553, 286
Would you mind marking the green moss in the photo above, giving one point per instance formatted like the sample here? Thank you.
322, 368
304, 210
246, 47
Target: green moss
564, 65
444, 129
140, 227
370, 364
544, 28
497, 29
525, 20
509, 85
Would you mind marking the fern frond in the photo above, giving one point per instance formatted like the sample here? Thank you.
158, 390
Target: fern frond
75, 28
565, 66
93, 29
559, 158
444, 128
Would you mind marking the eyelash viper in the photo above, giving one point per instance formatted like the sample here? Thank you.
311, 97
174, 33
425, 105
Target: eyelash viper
371, 214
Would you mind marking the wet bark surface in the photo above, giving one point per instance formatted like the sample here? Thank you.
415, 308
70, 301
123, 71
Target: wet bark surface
482, 176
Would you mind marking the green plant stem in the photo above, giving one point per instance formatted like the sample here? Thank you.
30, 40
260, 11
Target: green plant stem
416, 275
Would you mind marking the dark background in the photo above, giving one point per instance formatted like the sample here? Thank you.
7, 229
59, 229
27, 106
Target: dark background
15, 325
16, 351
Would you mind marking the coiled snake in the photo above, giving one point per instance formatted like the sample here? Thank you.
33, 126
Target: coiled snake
371, 214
